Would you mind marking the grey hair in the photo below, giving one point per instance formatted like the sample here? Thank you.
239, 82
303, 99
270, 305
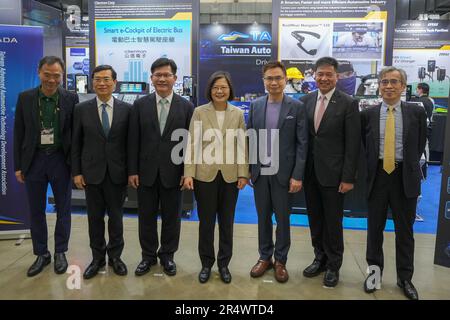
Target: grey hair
393, 69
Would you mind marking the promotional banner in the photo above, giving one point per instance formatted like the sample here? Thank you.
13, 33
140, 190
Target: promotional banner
422, 49
241, 50
76, 51
442, 251
357, 33
21, 49
130, 35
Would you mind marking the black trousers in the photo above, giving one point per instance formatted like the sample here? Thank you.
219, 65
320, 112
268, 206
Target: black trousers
325, 207
215, 198
388, 191
49, 167
149, 200
102, 198
270, 197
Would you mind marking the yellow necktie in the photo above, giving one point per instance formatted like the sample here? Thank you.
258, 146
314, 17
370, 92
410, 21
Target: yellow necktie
389, 142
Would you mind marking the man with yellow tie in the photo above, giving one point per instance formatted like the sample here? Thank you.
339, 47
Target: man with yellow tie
394, 135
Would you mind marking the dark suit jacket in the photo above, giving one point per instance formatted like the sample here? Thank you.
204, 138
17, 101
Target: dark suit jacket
293, 138
27, 128
149, 151
334, 149
92, 151
427, 104
414, 138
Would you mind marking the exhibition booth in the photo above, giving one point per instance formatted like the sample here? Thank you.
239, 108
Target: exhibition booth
131, 34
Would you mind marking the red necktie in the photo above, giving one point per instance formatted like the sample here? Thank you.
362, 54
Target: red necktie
320, 112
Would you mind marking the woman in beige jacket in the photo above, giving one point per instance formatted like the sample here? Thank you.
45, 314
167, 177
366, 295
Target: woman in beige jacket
216, 168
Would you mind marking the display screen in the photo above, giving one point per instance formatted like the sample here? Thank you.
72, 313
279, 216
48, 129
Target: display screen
131, 87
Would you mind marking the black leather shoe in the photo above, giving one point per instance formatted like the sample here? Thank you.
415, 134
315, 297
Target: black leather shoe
314, 269
408, 289
61, 264
331, 278
118, 265
225, 274
169, 267
144, 267
93, 268
204, 274
39, 264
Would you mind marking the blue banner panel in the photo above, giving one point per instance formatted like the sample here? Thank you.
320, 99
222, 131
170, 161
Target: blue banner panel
21, 48
240, 49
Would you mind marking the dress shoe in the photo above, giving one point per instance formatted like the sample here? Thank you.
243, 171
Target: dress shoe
60, 263
169, 267
314, 269
408, 289
204, 274
118, 265
260, 268
93, 268
144, 267
331, 278
281, 274
39, 264
225, 274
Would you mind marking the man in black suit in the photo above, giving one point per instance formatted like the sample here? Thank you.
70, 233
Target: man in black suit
334, 144
394, 135
152, 171
42, 138
99, 166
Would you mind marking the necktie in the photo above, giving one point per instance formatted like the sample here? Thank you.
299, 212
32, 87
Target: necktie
163, 115
105, 119
320, 112
389, 142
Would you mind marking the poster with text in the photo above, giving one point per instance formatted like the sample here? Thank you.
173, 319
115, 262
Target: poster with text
422, 49
131, 35
21, 49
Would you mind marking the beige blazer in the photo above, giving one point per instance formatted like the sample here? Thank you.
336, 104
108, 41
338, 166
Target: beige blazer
220, 149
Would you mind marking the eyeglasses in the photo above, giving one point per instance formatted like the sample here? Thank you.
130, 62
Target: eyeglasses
270, 79
105, 80
219, 88
393, 82
162, 75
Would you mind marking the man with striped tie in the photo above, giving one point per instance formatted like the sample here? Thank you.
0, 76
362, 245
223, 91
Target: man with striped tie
99, 166
394, 135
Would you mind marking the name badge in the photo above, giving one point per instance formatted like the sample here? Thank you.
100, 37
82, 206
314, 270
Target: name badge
47, 136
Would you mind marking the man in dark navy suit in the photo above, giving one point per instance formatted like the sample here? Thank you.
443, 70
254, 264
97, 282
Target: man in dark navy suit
99, 166
151, 170
333, 148
42, 139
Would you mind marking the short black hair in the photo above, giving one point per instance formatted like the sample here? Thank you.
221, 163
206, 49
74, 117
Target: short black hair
104, 67
272, 65
51, 60
212, 80
162, 62
424, 87
327, 61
